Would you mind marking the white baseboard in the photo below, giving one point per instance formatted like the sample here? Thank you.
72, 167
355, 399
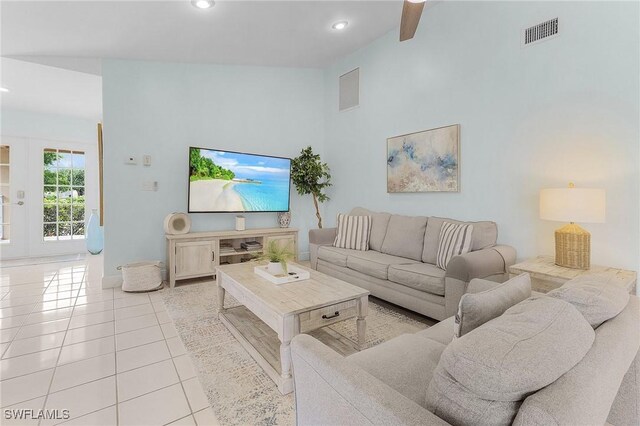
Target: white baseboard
111, 281
303, 255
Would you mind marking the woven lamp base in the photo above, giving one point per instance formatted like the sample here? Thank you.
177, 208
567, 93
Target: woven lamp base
573, 247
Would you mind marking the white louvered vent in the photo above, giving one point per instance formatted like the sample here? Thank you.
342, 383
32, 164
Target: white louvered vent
349, 96
543, 31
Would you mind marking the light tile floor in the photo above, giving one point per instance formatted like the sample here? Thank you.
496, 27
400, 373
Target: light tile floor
108, 357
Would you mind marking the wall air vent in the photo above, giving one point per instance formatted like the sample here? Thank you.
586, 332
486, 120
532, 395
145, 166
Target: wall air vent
540, 32
349, 96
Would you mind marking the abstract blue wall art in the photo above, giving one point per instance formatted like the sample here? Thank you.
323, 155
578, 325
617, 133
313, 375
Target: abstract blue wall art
427, 161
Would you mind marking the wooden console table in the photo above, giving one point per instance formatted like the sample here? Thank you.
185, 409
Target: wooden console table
197, 254
547, 276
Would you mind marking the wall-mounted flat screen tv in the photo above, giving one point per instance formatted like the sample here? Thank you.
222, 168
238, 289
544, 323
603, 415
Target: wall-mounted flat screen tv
226, 181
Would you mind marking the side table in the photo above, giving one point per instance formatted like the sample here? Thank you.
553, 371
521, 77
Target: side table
546, 275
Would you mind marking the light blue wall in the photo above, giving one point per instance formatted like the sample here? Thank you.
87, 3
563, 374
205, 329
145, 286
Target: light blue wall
563, 110
162, 109
36, 125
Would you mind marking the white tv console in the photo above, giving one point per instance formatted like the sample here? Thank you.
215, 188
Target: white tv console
197, 254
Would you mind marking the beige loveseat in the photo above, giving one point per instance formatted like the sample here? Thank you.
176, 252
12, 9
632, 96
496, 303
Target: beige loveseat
389, 384
400, 266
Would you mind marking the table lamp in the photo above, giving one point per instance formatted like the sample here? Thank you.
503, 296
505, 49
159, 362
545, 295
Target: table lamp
585, 205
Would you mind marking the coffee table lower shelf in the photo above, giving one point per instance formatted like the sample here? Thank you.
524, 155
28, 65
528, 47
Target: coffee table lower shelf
262, 343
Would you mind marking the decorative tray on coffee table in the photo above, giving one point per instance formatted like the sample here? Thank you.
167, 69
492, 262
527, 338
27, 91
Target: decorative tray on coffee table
295, 273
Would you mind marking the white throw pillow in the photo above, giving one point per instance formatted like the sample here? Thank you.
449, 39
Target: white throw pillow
353, 232
455, 239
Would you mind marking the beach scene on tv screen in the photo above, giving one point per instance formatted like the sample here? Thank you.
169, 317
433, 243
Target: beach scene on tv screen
222, 181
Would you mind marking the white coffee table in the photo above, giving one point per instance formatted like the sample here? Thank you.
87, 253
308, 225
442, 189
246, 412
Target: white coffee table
288, 310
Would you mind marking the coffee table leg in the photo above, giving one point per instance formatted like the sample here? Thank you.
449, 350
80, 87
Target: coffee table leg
221, 293
289, 329
361, 322
285, 359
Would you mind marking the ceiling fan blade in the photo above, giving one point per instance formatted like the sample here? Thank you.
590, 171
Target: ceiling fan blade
411, 13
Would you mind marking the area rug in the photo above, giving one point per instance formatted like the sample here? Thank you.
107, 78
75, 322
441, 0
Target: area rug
239, 392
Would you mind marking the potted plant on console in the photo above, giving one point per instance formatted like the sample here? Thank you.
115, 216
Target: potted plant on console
278, 255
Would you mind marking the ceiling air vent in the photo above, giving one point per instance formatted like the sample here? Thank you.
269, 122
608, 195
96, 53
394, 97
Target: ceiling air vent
540, 32
349, 96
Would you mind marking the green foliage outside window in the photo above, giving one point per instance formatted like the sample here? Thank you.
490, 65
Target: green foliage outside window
63, 212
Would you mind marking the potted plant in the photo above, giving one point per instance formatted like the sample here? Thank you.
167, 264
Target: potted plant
277, 255
311, 176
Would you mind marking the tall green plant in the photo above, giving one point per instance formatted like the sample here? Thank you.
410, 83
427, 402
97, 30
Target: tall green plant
311, 176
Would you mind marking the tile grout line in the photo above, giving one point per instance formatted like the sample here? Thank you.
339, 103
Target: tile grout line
22, 323
105, 377
115, 360
96, 356
55, 367
113, 302
176, 367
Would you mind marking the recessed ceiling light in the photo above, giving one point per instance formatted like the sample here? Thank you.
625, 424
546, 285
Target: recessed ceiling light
340, 25
3, 89
417, 1
203, 4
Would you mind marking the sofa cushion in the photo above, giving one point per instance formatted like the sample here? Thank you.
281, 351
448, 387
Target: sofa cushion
597, 300
485, 234
421, 276
353, 232
485, 375
452, 402
374, 263
441, 332
334, 255
379, 223
528, 347
405, 236
405, 363
476, 309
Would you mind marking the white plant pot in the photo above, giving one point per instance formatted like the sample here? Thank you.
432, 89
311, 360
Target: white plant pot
275, 268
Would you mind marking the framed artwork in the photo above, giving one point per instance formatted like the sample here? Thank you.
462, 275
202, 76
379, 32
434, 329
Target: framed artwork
427, 161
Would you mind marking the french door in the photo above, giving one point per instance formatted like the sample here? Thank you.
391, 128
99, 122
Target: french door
51, 188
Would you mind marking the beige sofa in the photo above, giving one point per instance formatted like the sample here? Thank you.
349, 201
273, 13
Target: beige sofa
387, 384
400, 265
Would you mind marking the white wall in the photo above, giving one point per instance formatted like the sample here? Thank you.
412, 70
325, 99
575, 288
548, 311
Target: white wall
563, 110
29, 133
162, 109
37, 125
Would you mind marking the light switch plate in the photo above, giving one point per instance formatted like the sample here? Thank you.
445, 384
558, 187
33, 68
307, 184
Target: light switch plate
146, 160
150, 185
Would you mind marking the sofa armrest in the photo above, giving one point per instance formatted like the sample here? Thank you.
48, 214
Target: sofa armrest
481, 263
318, 238
322, 236
492, 262
331, 390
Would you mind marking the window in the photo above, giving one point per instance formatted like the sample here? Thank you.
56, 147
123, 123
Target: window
5, 190
64, 190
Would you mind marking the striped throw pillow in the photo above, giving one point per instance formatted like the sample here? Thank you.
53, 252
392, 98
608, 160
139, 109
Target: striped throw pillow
455, 239
353, 232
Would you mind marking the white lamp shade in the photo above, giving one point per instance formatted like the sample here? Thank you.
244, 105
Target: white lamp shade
583, 205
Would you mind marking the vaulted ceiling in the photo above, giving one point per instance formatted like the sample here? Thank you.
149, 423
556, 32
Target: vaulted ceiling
270, 33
